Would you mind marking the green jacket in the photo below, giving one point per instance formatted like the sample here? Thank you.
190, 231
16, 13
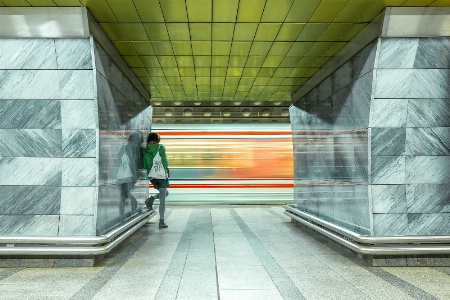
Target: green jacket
149, 154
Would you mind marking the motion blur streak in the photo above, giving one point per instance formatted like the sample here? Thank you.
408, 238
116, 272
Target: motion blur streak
229, 163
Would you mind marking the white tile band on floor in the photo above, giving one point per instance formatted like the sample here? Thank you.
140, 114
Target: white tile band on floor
226, 253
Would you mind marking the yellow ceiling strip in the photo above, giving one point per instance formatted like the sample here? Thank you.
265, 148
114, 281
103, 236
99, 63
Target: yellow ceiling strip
68, 3
219, 61
280, 48
216, 82
149, 10
178, 31
250, 10
114, 31
201, 47
200, 31
276, 10
16, 3
221, 48
301, 10
155, 72
246, 81
218, 72
352, 9
289, 31
222, 31
275, 81
266, 72
45, 3
240, 48
202, 80
124, 10
251, 72
182, 47
323, 12
174, 83
150, 61
185, 61
133, 61
235, 71
335, 48
441, 3
162, 48
199, 10
260, 48
334, 32
125, 48
255, 61
289, 61
202, 61
352, 32
237, 61
167, 61
300, 48
282, 72
417, 2
143, 48
312, 31
187, 72
245, 31
156, 31
174, 10
225, 10
267, 31
135, 31
272, 61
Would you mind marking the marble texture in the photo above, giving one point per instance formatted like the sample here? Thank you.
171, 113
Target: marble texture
32, 54
76, 225
30, 84
79, 200
397, 53
389, 113
30, 143
388, 129
428, 198
79, 143
388, 198
388, 170
33, 200
428, 113
30, 114
79, 171
32, 225
73, 54
79, 114
388, 141
30, 171
428, 169
77, 84
428, 141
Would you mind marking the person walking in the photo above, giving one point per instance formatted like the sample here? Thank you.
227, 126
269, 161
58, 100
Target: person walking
154, 147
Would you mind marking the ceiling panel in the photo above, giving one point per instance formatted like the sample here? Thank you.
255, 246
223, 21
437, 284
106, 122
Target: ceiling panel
250, 50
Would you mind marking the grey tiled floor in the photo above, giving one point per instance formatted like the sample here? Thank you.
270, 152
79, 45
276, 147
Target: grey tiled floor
226, 253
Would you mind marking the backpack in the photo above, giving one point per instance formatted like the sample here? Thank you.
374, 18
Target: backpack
157, 171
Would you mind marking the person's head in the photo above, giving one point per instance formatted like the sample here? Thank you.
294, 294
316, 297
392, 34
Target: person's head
153, 138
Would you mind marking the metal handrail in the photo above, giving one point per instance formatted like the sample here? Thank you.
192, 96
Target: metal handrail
419, 239
73, 240
387, 249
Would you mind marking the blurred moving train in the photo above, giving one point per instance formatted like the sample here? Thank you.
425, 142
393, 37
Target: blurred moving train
229, 163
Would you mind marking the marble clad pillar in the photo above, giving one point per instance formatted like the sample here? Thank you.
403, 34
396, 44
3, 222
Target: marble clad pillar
68, 106
372, 138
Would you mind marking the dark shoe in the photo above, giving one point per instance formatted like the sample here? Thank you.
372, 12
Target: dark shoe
162, 224
149, 202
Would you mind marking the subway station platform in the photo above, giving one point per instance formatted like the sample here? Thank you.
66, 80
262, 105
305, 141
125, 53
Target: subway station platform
226, 253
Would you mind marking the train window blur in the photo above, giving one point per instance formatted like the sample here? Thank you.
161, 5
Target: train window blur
229, 163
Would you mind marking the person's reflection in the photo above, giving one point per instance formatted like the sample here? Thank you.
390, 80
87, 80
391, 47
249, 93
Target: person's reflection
129, 163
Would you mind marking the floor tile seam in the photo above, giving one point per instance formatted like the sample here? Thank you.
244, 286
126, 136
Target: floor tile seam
386, 276
273, 269
94, 285
187, 237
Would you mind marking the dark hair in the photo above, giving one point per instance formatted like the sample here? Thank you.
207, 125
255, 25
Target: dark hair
153, 137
